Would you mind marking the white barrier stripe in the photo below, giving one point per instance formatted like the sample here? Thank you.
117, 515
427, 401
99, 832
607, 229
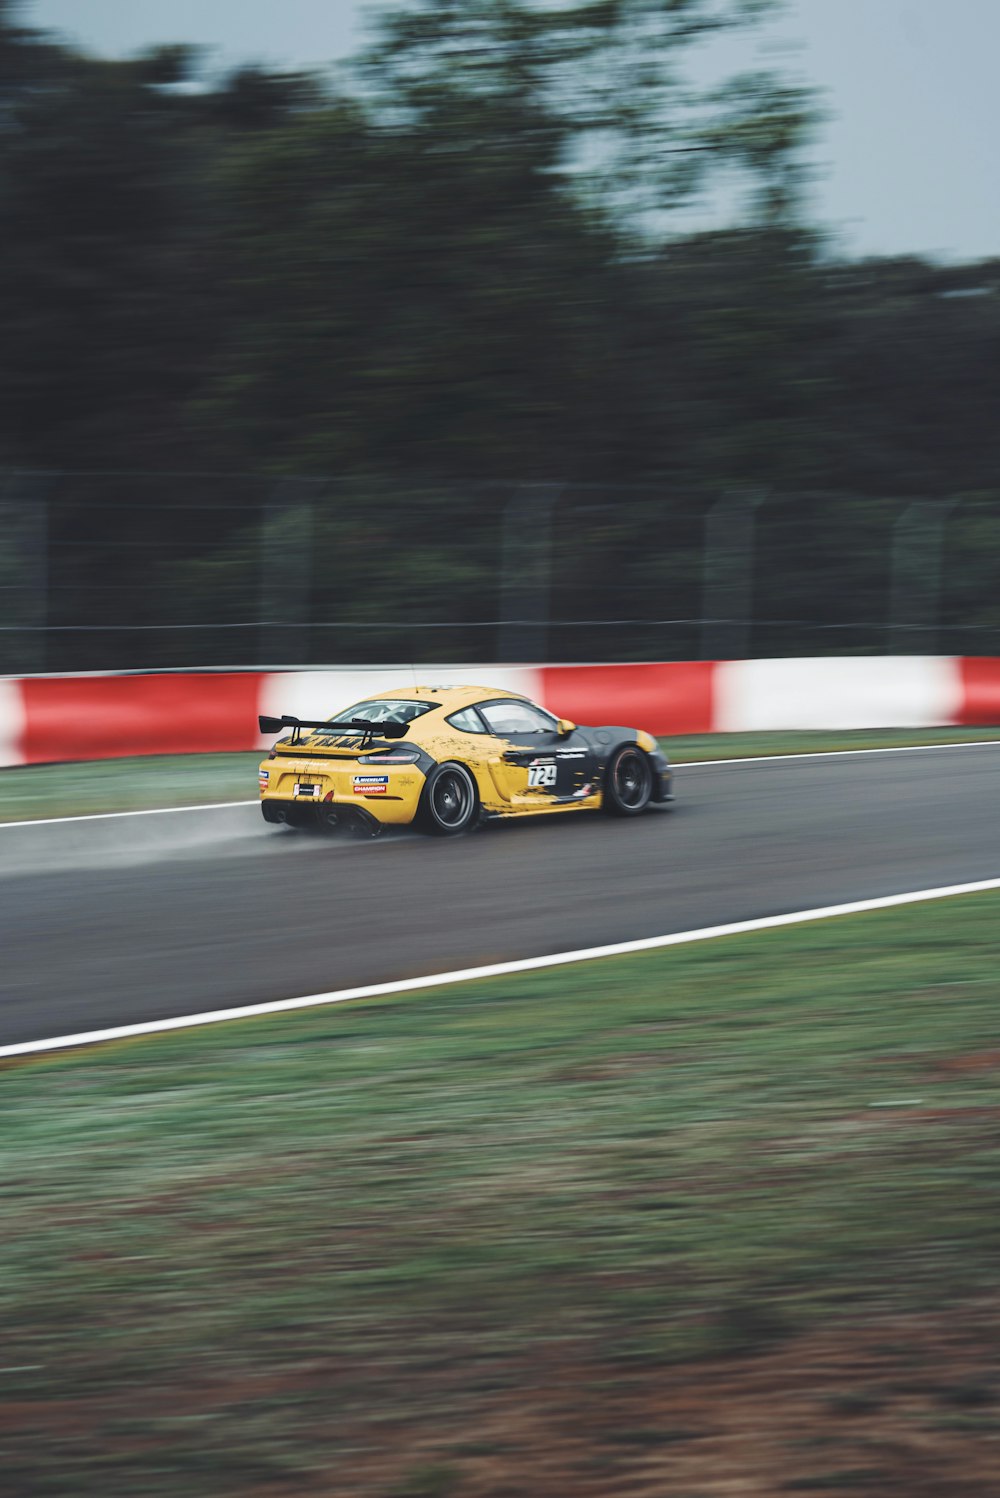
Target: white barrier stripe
493, 970
310, 694
13, 721
837, 692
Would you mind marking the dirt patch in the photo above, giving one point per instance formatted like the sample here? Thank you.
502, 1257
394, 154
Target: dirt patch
905, 1405
908, 1406
972, 1063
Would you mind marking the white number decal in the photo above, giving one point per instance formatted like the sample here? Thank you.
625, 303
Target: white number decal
541, 775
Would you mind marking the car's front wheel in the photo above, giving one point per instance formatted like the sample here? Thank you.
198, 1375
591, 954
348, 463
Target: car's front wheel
628, 782
450, 804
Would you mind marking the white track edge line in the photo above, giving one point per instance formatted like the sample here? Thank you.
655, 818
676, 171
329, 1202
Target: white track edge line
758, 759
683, 764
142, 811
493, 970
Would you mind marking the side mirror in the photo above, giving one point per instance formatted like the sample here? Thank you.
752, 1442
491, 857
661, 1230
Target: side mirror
565, 727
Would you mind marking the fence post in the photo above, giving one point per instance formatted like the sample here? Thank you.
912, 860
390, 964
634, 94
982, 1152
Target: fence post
24, 572
727, 587
915, 575
525, 570
285, 573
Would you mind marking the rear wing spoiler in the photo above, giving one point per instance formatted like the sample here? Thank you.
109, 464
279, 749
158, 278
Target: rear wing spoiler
362, 728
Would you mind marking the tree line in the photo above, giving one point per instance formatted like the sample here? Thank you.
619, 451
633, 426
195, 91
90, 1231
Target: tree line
461, 261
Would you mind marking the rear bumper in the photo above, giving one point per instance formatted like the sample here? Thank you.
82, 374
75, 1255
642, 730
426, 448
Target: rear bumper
304, 812
326, 814
325, 790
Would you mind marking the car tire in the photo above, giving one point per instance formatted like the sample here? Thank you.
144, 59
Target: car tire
628, 782
450, 801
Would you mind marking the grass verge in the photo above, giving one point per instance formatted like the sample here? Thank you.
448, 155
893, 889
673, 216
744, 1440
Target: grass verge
752, 745
135, 784
572, 1231
30, 791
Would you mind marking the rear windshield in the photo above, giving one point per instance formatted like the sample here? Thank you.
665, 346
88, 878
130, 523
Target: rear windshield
385, 710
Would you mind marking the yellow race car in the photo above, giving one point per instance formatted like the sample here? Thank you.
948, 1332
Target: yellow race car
450, 757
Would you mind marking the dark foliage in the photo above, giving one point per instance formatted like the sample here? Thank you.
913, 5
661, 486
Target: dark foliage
464, 268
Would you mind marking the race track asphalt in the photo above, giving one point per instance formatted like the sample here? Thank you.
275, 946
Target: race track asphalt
119, 920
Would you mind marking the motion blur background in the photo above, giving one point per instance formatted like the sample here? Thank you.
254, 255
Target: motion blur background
501, 330
498, 330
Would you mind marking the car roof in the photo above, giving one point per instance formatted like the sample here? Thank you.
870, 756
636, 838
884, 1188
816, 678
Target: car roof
449, 698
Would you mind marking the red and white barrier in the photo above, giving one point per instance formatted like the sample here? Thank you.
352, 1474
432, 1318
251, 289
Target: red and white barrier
46, 718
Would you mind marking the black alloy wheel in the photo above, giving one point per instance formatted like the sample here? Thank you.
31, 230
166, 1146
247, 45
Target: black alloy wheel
450, 803
628, 782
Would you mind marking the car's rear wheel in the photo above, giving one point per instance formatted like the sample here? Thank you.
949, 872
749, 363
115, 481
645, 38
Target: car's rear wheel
628, 782
450, 803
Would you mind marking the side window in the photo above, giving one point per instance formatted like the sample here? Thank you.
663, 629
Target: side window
467, 721
517, 717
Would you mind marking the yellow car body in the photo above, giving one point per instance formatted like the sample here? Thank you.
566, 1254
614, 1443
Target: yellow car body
449, 757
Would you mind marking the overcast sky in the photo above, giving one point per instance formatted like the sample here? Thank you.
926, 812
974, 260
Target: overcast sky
906, 163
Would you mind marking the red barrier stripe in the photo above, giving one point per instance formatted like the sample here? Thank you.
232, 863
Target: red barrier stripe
980, 690
669, 697
108, 717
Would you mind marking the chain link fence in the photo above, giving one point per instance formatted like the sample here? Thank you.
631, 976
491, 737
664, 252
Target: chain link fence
162, 571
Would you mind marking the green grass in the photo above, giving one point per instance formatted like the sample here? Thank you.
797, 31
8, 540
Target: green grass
187, 780
31, 791
736, 745
231, 1254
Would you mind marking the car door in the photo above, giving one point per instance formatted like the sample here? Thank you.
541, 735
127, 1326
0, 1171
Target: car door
531, 762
